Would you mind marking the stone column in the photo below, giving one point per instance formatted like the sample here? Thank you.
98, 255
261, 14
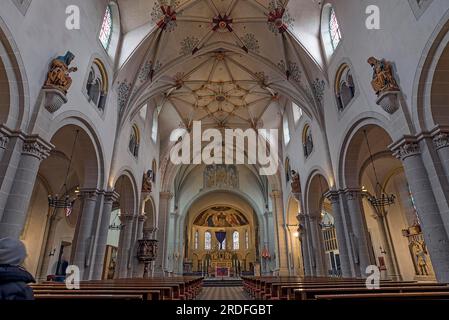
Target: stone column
318, 248
162, 232
432, 225
441, 142
109, 198
125, 244
345, 264
138, 266
359, 239
4, 139
54, 216
280, 236
83, 239
34, 150
392, 270
304, 238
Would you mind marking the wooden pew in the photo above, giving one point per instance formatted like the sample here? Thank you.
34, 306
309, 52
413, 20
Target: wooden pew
434, 295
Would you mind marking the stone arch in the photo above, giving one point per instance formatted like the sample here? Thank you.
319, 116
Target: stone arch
316, 186
345, 178
14, 91
94, 143
149, 209
428, 79
126, 186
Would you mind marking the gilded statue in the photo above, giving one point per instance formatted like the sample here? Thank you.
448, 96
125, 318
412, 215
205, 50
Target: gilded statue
296, 185
420, 253
58, 76
383, 78
146, 183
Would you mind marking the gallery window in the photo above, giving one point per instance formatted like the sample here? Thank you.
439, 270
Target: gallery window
155, 127
97, 85
286, 130
331, 34
344, 87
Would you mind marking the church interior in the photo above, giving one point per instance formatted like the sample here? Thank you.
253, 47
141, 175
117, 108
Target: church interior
95, 96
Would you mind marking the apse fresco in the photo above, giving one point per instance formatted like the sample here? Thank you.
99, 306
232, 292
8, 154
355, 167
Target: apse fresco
221, 217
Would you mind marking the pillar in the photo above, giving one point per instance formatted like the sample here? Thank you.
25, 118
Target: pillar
317, 244
34, 150
4, 139
280, 236
109, 198
441, 142
359, 236
162, 232
83, 240
305, 239
435, 236
123, 257
138, 266
392, 269
345, 264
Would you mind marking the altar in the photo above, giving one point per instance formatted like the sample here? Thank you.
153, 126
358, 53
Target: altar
221, 263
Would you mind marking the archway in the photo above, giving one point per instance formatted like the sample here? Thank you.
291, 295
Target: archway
221, 237
52, 234
119, 240
324, 247
393, 233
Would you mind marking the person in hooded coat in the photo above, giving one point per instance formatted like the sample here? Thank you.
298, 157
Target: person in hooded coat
14, 279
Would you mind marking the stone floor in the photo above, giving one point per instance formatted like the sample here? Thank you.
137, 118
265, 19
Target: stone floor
222, 293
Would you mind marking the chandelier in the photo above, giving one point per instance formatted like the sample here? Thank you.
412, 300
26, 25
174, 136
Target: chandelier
65, 201
384, 199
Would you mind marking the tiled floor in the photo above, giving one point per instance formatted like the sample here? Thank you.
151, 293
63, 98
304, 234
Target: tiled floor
222, 293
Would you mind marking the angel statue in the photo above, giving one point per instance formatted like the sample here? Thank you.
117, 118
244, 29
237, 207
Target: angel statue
383, 78
58, 76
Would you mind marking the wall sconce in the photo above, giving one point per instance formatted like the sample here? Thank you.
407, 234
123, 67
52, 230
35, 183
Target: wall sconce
52, 252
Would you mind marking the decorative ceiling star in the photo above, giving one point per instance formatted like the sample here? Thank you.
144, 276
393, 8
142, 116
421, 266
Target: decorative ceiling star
222, 23
168, 18
276, 19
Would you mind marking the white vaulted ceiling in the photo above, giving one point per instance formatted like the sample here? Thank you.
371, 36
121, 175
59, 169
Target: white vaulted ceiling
228, 63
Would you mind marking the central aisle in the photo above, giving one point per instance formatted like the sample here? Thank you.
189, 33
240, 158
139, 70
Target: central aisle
222, 293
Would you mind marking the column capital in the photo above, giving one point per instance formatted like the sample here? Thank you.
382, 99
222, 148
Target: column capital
126, 218
111, 196
4, 139
441, 140
89, 193
333, 196
166, 195
407, 147
142, 217
275, 194
36, 147
352, 193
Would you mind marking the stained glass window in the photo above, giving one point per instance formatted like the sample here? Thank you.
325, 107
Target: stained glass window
207, 241
196, 240
236, 240
247, 240
334, 29
106, 28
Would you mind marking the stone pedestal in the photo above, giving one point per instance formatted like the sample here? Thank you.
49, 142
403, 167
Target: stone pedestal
53, 99
34, 150
431, 221
389, 101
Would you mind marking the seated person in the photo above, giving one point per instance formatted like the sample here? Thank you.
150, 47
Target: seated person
14, 279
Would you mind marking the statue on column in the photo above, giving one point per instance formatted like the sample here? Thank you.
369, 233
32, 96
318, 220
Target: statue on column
296, 185
58, 76
383, 78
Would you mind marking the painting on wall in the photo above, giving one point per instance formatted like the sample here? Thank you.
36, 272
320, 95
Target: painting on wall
221, 217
